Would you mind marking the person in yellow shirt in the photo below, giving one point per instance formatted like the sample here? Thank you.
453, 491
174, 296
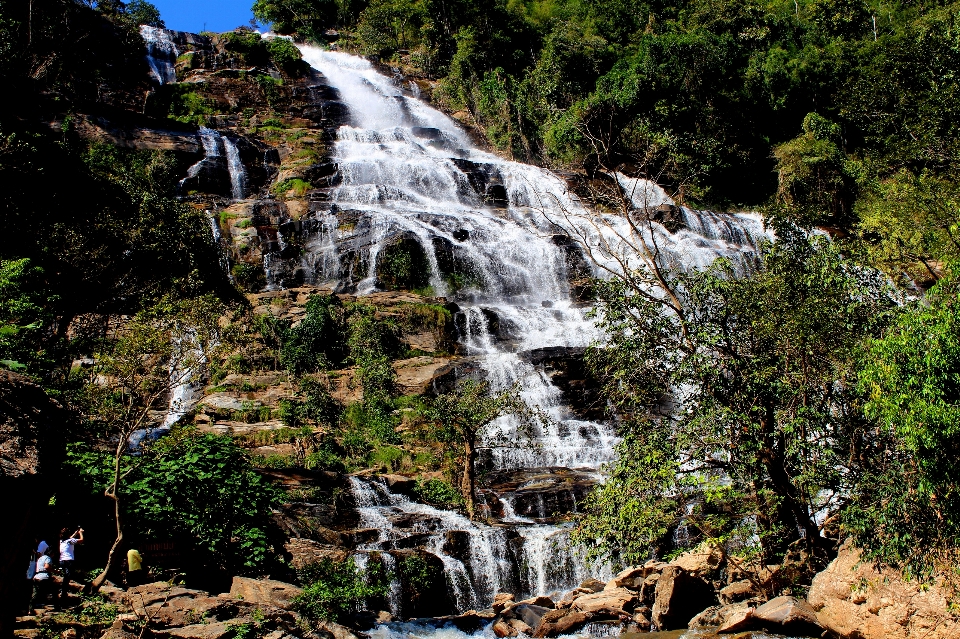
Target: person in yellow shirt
134, 568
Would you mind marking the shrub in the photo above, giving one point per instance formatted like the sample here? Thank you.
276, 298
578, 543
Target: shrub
333, 590
438, 492
286, 56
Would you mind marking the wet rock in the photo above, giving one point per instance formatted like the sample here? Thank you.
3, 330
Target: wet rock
789, 615
519, 626
461, 235
709, 618
496, 196
334, 630
399, 483
562, 622
566, 368
503, 629
264, 591
736, 618
529, 614
501, 600
427, 133
679, 596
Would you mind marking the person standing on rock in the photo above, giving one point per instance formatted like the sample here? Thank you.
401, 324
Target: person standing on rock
134, 568
42, 583
67, 549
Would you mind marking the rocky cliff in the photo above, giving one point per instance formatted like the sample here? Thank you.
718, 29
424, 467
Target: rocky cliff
31, 448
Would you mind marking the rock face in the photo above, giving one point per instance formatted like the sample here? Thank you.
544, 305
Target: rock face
265, 591
859, 602
30, 451
679, 596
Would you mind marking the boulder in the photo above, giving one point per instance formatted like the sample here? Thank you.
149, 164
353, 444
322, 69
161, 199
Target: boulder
615, 602
335, 630
501, 600
855, 600
520, 627
738, 591
701, 561
709, 618
214, 630
788, 614
679, 596
502, 629
541, 601
629, 578
562, 622
264, 591
593, 585
736, 618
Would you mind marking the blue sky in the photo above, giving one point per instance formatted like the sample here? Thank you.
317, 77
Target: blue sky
192, 15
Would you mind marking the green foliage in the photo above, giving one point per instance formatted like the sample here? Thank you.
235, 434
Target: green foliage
296, 185
333, 590
307, 19
763, 364
286, 56
203, 485
438, 493
199, 488
26, 319
317, 342
143, 12
247, 45
906, 508
909, 225
403, 265
816, 185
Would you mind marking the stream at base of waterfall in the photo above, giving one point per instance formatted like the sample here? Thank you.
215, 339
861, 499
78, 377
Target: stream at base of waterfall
409, 171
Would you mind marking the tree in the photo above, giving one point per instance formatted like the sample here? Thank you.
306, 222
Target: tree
143, 12
333, 590
460, 417
28, 340
909, 225
739, 410
203, 486
906, 510
815, 184
138, 363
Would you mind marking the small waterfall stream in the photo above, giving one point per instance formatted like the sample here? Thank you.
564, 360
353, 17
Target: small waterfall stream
409, 170
161, 54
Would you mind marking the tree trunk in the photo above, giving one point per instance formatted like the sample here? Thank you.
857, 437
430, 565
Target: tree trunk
113, 493
469, 480
783, 486
112, 556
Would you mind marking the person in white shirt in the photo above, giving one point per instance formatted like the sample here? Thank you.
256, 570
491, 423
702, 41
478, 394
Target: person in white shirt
42, 582
67, 546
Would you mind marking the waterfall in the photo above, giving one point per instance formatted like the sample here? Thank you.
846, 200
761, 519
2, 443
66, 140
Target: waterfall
238, 174
408, 170
161, 54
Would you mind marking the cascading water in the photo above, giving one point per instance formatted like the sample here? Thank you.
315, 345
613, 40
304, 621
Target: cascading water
161, 53
408, 170
219, 152
238, 174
